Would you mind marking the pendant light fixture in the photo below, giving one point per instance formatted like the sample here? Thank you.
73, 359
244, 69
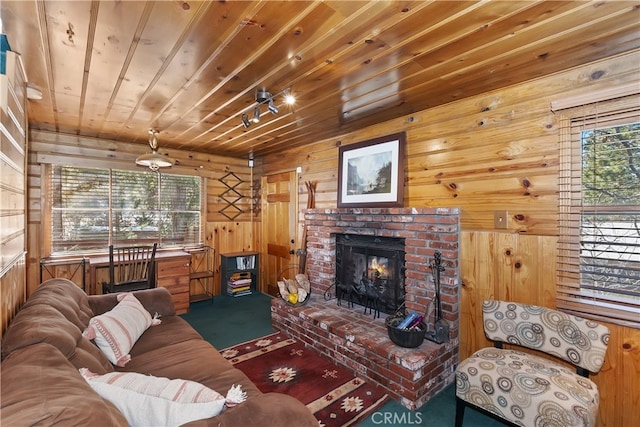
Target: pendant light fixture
154, 160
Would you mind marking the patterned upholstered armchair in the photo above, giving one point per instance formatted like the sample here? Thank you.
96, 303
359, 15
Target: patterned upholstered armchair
529, 390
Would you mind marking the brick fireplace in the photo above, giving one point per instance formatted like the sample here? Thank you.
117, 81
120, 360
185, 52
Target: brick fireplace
360, 342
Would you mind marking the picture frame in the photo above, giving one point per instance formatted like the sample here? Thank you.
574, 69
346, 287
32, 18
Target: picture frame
371, 173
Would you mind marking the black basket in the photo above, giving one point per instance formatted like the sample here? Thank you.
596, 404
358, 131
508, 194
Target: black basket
409, 338
292, 269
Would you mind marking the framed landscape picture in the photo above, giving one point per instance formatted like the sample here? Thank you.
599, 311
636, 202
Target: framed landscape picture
371, 173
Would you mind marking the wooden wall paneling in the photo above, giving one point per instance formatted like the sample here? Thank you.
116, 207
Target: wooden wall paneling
503, 251
619, 379
229, 236
627, 346
545, 263
476, 271
221, 197
33, 256
523, 276
13, 188
13, 292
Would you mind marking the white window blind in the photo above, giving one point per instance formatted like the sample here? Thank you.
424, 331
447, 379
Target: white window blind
92, 208
599, 244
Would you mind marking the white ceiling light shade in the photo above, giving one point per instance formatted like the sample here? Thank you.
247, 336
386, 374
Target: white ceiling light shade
33, 92
154, 160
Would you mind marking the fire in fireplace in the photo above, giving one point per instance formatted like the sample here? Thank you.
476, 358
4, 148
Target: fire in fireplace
370, 272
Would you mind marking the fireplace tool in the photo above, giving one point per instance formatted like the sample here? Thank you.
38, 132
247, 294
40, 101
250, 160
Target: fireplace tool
440, 333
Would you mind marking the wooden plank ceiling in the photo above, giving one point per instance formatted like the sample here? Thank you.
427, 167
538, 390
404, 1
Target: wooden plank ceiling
115, 69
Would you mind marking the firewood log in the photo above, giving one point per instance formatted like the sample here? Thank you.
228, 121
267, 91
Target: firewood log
284, 293
302, 294
303, 281
291, 286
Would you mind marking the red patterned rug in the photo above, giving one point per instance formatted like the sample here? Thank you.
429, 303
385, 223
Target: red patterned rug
277, 363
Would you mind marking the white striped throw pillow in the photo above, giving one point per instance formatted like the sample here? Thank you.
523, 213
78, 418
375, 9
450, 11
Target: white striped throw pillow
116, 331
146, 400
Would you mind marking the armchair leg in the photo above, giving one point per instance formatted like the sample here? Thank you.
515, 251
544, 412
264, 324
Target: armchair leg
460, 405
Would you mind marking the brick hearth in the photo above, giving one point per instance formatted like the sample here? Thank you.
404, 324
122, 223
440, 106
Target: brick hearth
360, 342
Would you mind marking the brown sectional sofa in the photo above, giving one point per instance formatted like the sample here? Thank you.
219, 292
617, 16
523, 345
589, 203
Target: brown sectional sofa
43, 348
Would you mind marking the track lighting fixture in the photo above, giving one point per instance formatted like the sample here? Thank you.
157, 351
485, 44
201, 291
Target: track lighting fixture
264, 97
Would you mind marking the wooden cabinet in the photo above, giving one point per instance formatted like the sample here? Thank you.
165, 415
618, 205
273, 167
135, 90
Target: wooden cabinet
173, 274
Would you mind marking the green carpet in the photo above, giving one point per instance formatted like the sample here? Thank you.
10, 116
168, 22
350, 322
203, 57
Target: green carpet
228, 321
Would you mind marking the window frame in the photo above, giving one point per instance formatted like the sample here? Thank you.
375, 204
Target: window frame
571, 295
48, 207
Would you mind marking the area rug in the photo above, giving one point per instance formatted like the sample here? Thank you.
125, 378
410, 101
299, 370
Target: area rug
277, 363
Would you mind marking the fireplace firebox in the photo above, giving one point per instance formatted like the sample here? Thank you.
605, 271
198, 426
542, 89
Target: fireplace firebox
370, 272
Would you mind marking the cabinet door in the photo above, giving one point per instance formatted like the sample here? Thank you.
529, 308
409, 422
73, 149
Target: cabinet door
173, 274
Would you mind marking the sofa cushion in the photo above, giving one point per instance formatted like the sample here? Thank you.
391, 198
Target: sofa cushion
197, 360
155, 300
39, 323
66, 297
40, 387
149, 400
194, 360
172, 330
115, 332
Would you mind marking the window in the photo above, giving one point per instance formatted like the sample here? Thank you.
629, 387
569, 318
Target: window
93, 208
599, 246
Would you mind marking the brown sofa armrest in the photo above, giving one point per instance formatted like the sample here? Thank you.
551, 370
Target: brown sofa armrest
156, 300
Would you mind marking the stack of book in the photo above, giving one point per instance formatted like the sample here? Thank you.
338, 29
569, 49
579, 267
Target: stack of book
239, 284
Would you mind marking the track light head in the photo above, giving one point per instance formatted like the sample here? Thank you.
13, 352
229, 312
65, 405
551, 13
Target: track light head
256, 115
245, 120
272, 107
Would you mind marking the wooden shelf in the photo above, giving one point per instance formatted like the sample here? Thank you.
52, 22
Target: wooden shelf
201, 273
229, 267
